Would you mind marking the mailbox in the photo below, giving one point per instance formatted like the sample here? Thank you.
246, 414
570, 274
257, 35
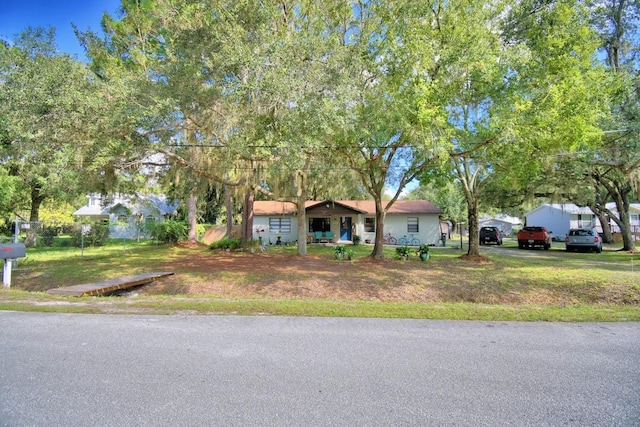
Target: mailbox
13, 251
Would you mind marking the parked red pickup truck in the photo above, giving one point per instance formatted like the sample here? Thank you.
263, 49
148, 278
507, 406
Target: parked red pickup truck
529, 237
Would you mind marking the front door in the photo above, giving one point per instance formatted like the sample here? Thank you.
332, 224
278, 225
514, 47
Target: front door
345, 228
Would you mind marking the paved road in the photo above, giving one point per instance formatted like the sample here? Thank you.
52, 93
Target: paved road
101, 370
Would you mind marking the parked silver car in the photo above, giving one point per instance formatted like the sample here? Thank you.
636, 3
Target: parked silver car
583, 239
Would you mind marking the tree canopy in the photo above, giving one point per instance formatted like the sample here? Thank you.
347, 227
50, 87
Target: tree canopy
283, 99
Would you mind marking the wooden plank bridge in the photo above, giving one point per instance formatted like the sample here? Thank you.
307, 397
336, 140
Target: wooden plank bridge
108, 286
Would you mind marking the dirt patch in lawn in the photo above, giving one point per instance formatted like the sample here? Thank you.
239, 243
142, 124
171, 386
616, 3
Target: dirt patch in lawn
246, 275
276, 275
292, 276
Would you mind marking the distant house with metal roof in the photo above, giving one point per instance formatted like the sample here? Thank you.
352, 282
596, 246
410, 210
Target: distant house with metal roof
129, 216
559, 218
340, 220
504, 223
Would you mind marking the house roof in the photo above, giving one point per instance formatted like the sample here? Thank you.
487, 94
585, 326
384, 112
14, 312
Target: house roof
562, 207
497, 221
366, 207
503, 218
575, 209
132, 203
633, 207
90, 211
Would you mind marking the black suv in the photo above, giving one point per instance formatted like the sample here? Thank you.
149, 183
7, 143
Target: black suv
490, 235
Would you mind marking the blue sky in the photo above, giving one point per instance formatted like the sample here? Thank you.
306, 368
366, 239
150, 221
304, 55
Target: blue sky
17, 15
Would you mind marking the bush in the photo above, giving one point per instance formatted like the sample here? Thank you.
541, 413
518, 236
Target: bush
48, 235
95, 234
403, 251
169, 231
226, 243
423, 249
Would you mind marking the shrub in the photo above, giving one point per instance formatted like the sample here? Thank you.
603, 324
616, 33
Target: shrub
226, 243
339, 251
349, 254
169, 231
423, 249
48, 235
403, 251
94, 234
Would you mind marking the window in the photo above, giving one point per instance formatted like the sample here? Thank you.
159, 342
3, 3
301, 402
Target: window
280, 225
122, 218
319, 224
150, 220
369, 225
586, 220
412, 225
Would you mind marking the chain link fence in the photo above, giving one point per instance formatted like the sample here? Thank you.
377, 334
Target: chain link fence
80, 235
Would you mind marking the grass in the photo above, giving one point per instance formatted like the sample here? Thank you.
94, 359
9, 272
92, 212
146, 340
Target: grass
553, 286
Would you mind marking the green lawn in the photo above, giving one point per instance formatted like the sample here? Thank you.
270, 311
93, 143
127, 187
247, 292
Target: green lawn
526, 285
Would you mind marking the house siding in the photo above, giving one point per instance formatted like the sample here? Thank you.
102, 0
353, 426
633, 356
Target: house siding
261, 229
556, 221
560, 218
395, 223
428, 227
127, 215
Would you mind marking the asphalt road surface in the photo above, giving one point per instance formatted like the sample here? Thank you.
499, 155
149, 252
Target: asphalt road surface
107, 370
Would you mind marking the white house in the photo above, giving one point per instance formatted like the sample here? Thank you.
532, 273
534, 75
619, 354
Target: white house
340, 220
129, 216
634, 218
559, 218
504, 223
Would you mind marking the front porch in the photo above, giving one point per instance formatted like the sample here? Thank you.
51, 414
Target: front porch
332, 222
319, 238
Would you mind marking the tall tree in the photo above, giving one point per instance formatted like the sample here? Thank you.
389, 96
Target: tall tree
506, 85
234, 88
373, 102
446, 195
45, 103
614, 167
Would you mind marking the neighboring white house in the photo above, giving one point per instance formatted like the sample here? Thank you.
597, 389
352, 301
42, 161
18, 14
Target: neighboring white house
559, 218
129, 216
634, 218
340, 220
504, 223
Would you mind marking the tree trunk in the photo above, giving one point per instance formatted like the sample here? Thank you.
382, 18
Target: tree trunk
191, 217
34, 216
228, 204
36, 200
474, 233
301, 213
622, 205
247, 217
619, 191
607, 236
469, 186
378, 247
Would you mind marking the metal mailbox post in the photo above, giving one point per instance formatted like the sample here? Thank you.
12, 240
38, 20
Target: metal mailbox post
9, 252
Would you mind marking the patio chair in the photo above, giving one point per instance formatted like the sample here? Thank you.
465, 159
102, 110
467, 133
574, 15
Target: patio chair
318, 236
329, 236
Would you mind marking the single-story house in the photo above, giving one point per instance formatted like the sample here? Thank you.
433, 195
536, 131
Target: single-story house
559, 218
129, 216
338, 221
504, 223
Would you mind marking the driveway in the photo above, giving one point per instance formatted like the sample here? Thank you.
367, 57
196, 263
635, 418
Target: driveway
107, 370
551, 254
